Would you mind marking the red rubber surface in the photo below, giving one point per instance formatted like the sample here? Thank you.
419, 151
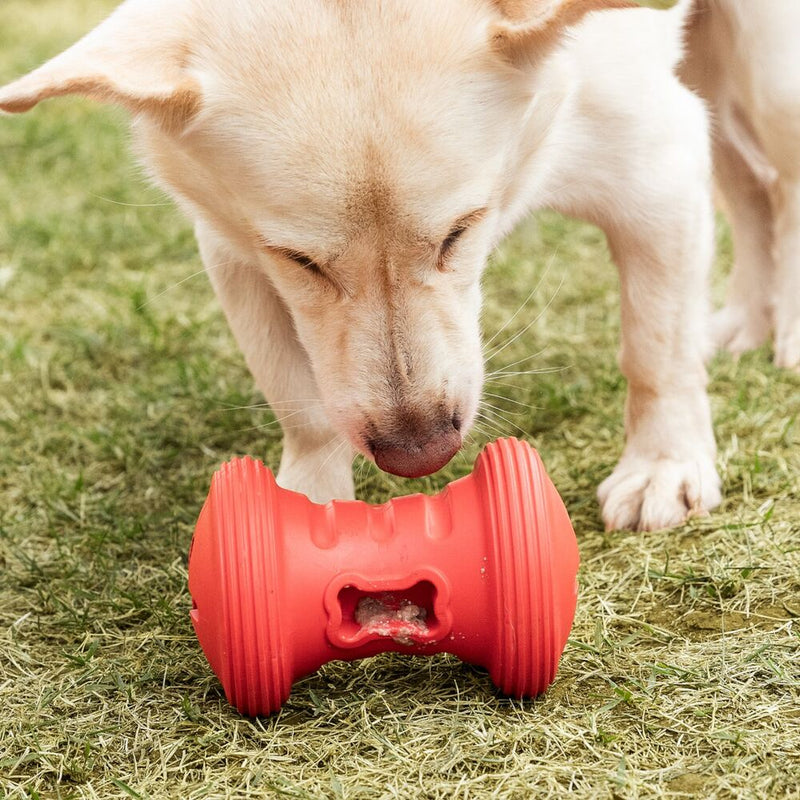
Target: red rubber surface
278, 582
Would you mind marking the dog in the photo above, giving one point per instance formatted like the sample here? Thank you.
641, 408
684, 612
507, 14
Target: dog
349, 166
742, 59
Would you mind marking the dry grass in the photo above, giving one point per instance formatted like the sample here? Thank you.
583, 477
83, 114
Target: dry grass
120, 391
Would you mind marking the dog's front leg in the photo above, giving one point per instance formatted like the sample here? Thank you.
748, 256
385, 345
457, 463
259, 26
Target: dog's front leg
787, 250
651, 192
316, 460
667, 470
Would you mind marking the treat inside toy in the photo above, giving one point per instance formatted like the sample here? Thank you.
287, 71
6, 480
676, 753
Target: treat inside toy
387, 617
404, 615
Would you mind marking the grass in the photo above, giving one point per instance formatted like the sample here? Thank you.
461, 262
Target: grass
121, 390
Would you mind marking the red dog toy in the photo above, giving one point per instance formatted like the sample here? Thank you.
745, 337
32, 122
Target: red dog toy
485, 570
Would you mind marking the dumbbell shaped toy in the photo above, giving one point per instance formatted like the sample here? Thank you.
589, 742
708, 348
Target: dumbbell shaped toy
485, 570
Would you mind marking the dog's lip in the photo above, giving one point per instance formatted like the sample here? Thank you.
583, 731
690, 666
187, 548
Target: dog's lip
388, 463
412, 460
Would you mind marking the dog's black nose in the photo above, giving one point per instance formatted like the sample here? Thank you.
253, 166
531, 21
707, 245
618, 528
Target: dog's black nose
414, 448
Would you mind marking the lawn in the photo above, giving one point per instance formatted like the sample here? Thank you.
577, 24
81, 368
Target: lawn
121, 390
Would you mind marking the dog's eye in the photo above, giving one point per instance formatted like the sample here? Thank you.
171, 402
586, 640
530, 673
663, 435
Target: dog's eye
449, 244
460, 227
306, 262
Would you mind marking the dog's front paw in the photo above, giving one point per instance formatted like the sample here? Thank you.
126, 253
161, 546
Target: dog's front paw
738, 328
650, 494
787, 346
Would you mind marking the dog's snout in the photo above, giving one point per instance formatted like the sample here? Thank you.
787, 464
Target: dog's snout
412, 447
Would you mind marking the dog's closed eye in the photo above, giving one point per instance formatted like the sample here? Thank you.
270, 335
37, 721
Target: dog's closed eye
306, 262
450, 242
301, 259
460, 227
327, 279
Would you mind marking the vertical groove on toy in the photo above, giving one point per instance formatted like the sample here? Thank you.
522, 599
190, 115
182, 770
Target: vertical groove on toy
257, 532
266, 669
499, 529
227, 523
245, 637
511, 570
242, 528
516, 486
492, 524
255, 674
508, 591
277, 667
540, 542
526, 533
238, 481
552, 652
518, 506
226, 592
252, 533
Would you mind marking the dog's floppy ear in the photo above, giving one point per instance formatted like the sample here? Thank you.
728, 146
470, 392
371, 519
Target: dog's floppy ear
136, 58
530, 28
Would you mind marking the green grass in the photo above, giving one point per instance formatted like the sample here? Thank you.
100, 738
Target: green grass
121, 391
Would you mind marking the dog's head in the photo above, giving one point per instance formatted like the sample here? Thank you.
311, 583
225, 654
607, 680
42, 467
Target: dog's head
361, 154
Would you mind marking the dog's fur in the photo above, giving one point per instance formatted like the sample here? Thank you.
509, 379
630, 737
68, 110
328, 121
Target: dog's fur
350, 165
742, 57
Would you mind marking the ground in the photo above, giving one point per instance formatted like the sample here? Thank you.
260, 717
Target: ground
120, 392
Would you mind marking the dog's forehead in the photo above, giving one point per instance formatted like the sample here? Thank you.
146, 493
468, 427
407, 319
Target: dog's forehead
350, 113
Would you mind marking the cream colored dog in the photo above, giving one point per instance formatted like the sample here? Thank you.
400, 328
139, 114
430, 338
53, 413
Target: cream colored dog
349, 166
743, 58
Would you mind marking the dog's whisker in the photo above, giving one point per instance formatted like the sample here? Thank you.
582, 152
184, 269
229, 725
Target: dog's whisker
528, 406
491, 425
487, 435
492, 433
498, 413
507, 399
361, 472
199, 272
463, 456
312, 403
472, 441
279, 420
291, 414
498, 409
540, 371
253, 407
504, 385
340, 443
129, 205
476, 426
521, 332
293, 401
169, 288
282, 422
271, 424
522, 360
501, 420
524, 302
